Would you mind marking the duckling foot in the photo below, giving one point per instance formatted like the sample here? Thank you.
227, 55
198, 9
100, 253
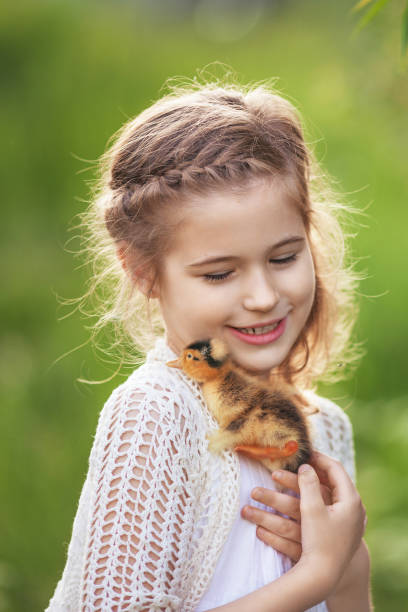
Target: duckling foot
269, 452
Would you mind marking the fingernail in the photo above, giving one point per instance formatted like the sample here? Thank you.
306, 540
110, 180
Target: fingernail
247, 512
277, 474
256, 493
304, 468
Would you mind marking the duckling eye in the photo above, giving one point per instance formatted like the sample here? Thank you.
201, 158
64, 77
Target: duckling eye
189, 356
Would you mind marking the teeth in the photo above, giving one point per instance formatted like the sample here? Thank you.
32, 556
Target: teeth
257, 331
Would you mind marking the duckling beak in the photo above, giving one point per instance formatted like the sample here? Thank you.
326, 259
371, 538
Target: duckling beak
175, 364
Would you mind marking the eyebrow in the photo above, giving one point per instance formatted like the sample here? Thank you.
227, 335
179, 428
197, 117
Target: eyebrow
222, 258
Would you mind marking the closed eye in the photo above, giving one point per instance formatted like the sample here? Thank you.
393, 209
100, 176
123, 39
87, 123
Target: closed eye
217, 277
283, 260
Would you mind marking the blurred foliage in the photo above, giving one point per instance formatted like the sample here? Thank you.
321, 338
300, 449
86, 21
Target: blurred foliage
371, 12
72, 72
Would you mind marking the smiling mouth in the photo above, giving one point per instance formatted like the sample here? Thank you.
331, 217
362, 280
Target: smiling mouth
258, 331
260, 334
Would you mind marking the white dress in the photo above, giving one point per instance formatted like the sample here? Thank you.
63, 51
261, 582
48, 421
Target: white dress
158, 524
246, 563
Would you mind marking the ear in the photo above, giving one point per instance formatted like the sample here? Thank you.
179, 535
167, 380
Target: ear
121, 252
143, 276
146, 283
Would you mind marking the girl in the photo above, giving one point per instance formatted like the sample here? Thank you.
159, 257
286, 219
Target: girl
208, 208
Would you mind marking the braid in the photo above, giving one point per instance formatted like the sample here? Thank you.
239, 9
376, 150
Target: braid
129, 200
199, 141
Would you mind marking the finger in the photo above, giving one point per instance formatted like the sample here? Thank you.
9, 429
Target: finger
285, 504
326, 494
289, 480
363, 519
336, 476
310, 495
291, 549
279, 525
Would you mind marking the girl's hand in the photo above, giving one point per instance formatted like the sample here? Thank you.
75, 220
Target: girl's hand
281, 532
330, 536
331, 533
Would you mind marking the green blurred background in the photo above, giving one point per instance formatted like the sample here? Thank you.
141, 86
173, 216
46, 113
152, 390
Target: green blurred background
72, 73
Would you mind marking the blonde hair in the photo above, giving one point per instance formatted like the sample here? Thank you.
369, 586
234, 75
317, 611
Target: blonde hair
197, 138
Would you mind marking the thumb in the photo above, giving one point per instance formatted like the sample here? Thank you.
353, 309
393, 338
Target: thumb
310, 493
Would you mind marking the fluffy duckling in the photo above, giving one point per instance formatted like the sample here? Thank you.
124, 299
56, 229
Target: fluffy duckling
263, 420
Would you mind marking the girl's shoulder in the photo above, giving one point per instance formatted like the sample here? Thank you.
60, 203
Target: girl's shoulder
155, 402
332, 431
157, 389
329, 411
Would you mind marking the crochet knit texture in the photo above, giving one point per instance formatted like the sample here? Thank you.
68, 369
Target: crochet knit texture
156, 506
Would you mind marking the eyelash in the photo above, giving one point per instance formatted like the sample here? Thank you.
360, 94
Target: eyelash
287, 259
213, 278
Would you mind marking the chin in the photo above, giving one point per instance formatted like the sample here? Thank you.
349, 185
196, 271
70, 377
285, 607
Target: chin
257, 369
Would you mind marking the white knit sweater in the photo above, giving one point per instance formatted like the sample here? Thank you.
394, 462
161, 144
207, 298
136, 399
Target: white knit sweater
156, 507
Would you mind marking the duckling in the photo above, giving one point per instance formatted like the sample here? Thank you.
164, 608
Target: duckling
265, 421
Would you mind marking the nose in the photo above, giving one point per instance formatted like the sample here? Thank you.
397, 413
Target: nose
260, 292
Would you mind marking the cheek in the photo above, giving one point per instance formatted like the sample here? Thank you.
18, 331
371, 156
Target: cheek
188, 299
303, 284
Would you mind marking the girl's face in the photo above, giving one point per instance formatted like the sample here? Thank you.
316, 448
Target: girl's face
239, 269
